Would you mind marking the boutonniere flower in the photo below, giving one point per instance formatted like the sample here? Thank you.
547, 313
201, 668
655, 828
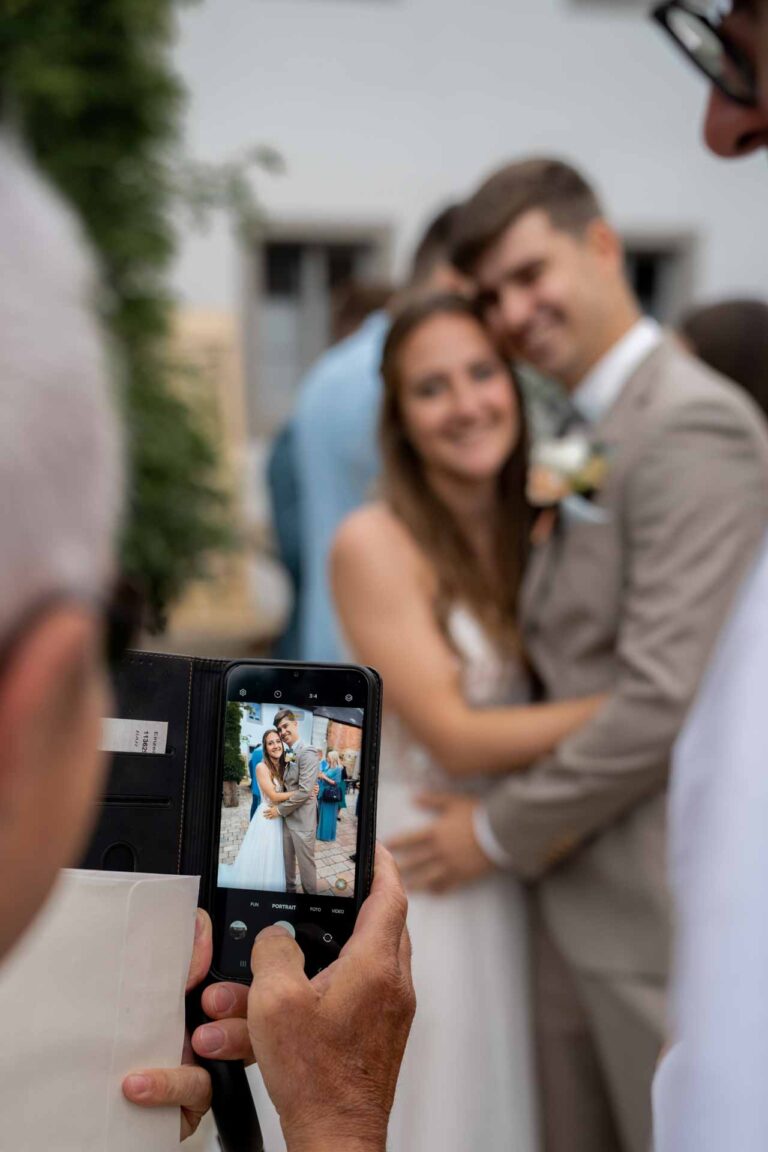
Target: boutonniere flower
570, 466
290, 757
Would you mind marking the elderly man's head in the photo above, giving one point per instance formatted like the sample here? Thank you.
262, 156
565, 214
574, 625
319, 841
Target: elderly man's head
60, 492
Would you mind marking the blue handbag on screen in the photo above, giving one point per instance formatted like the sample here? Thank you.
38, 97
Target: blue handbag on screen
330, 793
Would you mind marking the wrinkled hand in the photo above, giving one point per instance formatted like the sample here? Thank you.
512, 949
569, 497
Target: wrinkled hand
271, 813
340, 1036
187, 1087
444, 854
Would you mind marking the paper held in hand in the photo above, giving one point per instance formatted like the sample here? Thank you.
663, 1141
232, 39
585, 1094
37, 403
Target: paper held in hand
95, 990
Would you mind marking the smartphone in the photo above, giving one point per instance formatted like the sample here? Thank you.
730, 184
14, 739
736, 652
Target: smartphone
299, 747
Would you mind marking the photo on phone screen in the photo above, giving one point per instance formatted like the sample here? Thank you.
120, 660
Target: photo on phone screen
297, 800
289, 824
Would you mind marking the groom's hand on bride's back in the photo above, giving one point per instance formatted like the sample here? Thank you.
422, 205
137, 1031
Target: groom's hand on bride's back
341, 1036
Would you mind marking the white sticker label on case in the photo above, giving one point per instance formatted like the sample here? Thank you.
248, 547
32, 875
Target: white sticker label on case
143, 736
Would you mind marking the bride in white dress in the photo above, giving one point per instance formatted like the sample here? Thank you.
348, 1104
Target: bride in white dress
426, 585
260, 863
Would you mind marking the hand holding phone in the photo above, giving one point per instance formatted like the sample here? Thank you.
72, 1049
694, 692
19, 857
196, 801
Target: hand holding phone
325, 1033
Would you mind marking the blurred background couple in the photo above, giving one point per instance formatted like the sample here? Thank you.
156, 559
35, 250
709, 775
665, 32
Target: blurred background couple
281, 835
538, 662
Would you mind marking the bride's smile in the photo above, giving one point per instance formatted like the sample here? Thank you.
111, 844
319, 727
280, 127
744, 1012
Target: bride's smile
459, 410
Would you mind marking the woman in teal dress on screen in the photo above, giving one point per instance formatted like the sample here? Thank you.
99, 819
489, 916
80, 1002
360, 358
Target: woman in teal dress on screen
330, 796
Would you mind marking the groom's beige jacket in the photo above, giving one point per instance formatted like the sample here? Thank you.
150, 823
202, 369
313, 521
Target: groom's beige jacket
301, 777
630, 602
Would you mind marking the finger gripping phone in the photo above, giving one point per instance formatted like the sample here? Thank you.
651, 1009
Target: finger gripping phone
295, 808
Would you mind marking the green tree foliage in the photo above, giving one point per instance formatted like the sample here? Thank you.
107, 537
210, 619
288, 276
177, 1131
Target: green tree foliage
90, 86
233, 761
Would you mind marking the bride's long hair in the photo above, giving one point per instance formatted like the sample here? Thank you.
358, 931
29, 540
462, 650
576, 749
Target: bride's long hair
268, 759
461, 577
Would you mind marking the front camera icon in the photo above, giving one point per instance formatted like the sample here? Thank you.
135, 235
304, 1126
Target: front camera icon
278, 695
349, 698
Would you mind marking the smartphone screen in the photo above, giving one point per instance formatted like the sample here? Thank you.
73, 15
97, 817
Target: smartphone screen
295, 834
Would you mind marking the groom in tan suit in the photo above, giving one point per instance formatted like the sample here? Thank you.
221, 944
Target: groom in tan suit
625, 596
299, 814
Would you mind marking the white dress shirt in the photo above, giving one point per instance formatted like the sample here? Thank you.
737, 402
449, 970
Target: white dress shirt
597, 392
711, 1090
601, 387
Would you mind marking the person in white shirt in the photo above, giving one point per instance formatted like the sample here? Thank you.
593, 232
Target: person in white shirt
710, 1092
626, 595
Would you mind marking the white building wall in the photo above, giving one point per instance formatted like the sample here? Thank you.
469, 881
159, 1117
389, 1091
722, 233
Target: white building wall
384, 109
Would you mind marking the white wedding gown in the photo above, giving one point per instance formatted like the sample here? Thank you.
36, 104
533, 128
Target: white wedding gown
468, 1080
260, 862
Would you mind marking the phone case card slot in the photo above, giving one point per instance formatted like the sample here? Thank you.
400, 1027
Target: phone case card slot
134, 775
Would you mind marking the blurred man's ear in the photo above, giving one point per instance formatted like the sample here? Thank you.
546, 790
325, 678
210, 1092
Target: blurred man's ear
43, 681
52, 697
605, 243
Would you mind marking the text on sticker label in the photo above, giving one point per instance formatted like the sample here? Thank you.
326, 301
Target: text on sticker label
147, 737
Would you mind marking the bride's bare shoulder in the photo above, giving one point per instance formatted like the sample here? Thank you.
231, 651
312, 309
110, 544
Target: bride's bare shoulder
374, 536
374, 529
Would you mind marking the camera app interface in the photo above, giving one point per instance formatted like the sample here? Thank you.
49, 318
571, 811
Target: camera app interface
294, 746
289, 803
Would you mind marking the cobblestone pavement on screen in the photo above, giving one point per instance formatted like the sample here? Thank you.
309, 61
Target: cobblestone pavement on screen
331, 857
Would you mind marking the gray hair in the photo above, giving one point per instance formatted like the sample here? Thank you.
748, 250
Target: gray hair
61, 456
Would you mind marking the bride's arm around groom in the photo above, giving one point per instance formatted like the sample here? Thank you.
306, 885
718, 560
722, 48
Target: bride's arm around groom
268, 790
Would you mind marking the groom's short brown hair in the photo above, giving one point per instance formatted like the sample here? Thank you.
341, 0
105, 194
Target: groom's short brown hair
284, 714
547, 184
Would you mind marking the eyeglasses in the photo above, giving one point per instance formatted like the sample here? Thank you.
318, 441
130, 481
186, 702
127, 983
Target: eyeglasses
700, 39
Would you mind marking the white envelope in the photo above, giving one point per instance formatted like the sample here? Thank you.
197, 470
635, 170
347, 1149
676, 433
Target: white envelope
94, 991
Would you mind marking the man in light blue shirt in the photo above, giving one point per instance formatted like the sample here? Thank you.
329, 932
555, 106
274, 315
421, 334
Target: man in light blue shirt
255, 758
335, 438
337, 457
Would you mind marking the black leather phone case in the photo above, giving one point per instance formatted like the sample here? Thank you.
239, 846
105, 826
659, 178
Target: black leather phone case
158, 811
